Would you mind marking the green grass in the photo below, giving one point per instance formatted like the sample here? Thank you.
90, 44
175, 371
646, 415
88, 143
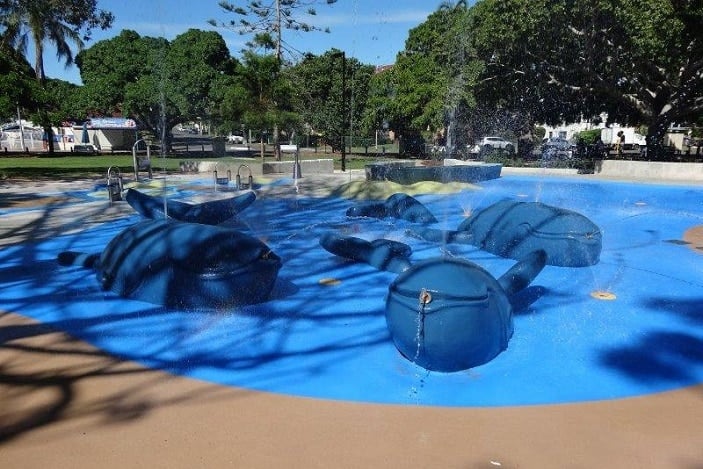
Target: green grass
64, 167
67, 167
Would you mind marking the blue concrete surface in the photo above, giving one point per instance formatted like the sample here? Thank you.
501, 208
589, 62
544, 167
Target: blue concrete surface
323, 334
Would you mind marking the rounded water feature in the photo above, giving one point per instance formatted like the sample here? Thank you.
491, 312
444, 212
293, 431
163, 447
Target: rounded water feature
448, 315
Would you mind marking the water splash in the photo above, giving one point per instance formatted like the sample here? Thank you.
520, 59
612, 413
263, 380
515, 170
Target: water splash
425, 299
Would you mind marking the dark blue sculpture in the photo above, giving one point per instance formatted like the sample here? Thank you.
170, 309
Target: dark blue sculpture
383, 254
209, 213
183, 265
449, 314
398, 205
514, 229
445, 314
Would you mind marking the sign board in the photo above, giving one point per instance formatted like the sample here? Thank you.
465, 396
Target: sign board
111, 123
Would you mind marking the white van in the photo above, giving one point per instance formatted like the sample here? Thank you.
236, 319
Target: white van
633, 140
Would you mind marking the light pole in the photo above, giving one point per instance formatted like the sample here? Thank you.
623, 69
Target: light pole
344, 104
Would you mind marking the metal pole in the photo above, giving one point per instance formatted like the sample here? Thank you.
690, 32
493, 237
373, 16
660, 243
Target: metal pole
344, 110
344, 105
19, 122
135, 160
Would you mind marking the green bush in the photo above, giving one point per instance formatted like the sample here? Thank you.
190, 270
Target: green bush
504, 158
589, 137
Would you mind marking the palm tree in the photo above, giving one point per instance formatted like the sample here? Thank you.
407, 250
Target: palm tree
43, 21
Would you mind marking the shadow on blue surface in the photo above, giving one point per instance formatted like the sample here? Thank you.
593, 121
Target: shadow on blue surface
323, 333
660, 356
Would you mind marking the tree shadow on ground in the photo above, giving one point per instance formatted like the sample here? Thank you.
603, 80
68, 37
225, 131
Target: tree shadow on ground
662, 355
44, 368
45, 375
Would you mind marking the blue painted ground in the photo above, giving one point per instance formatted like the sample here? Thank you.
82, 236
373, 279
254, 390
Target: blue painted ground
330, 341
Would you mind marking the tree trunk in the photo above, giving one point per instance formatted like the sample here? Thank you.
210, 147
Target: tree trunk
279, 33
276, 143
50, 138
656, 132
38, 41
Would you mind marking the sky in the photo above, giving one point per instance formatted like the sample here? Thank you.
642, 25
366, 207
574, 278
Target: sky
372, 31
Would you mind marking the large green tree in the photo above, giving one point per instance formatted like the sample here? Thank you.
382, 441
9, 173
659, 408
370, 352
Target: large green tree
430, 85
50, 102
156, 82
641, 61
198, 64
265, 21
18, 83
425, 69
260, 96
108, 66
381, 91
331, 94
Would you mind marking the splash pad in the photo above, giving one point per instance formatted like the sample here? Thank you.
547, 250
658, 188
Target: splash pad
324, 324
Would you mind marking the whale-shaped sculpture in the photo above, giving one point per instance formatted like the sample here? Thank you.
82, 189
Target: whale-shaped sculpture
212, 212
514, 229
398, 205
383, 254
183, 265
444, 314
449, 314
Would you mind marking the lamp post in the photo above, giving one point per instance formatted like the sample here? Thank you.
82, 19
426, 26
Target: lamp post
344, 104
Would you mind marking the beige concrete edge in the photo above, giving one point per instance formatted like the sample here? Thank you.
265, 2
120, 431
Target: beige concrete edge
64, 404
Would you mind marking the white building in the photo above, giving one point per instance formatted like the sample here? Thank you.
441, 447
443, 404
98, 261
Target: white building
106, 133
569, 131
675, 137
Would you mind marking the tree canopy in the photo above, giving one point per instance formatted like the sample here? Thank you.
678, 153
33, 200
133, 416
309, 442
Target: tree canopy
641, 61
331, 93
156, 82
260, 96
17, 81
504, 65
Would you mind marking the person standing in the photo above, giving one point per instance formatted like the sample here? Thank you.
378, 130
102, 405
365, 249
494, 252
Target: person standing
620, 145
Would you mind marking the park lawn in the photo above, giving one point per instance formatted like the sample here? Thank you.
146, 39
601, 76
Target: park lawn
63, 166
69, 166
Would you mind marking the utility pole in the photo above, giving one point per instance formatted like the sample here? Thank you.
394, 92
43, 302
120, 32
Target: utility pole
344, 105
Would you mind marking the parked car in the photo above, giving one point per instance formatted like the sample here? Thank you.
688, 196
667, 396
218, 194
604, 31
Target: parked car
235, 139
556, 147
493, 143
85, 148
